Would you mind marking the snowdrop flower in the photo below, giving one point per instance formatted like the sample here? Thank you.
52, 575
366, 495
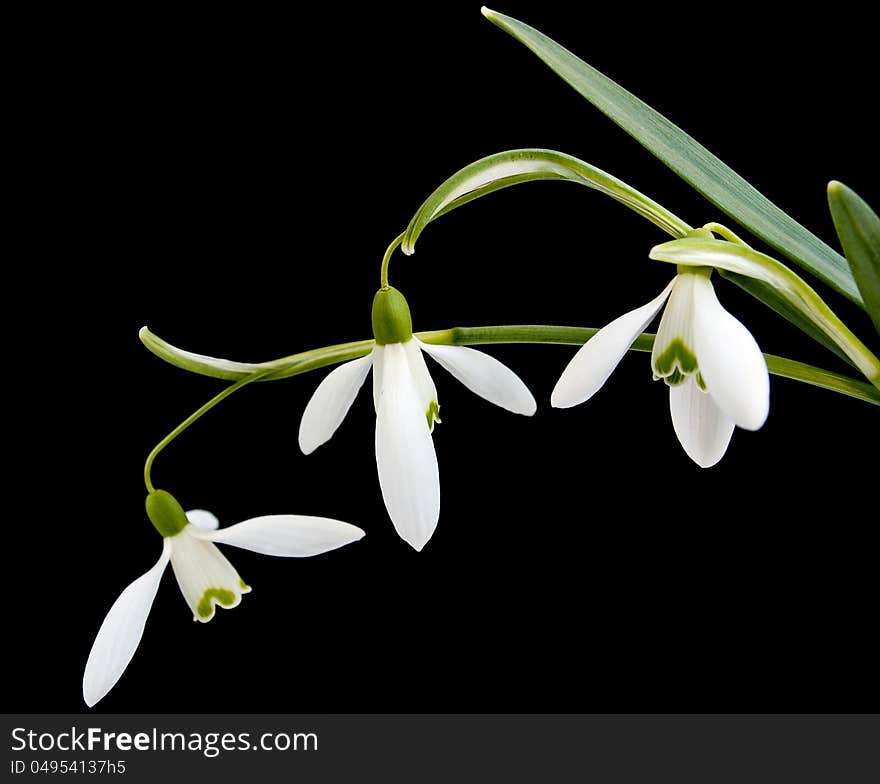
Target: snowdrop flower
205, 577
406, 410
716, 373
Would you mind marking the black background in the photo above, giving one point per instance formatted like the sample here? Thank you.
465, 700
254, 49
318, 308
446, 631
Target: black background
231, 179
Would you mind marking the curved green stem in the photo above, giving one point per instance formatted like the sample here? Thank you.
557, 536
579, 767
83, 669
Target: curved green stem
386, 259
463, 336
196, 415
730, 236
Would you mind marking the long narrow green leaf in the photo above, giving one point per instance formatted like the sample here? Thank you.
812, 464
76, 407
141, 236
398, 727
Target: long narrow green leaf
858, 228
689, 159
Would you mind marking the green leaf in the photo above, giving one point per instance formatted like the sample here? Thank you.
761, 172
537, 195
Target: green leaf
797, 294
858, 228
690, 160
513, 167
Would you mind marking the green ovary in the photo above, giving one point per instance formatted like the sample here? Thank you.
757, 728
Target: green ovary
676, 363
222, 596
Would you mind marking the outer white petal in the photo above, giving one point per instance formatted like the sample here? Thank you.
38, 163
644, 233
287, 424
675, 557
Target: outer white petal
702, 428
331, 401
378, 374
202, 518
121, 632
596, 359
205, 577
731, 362
485, 376
405, 457
286, 535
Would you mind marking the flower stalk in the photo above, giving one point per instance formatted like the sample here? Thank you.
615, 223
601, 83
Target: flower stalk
313, 359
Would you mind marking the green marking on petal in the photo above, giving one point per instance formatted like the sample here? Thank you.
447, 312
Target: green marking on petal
675, 378
700, 383
221, 596
433, 414
676, 356
244, 586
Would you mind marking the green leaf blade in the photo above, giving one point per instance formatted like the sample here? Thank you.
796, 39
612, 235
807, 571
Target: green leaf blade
858, 229
716, 181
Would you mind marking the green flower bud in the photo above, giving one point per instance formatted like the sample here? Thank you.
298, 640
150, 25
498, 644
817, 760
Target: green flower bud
166, 515
392, 322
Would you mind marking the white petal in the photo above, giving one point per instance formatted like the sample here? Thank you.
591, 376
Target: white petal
378, 373
121, 632
331, 401
408, 473
286, 535
702, 428
202, 518
204, 575
485, 376
596, 359
731, 363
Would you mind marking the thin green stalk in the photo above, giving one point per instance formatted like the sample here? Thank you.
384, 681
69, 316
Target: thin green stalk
386, 260
730, 236
464, 336
196, 415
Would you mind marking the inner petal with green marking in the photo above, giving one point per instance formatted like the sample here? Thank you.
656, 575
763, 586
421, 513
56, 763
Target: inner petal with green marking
214, 596
673, 357
205, 576
676, 363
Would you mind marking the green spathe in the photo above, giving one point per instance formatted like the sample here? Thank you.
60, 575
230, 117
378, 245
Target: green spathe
392, 322
166, 515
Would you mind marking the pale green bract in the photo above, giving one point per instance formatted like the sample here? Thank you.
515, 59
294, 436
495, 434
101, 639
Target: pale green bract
513, 167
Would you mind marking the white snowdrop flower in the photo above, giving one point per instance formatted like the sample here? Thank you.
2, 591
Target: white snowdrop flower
406, 409
205, 577
716, 373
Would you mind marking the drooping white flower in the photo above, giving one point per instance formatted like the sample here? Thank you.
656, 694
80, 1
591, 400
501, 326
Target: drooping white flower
406, 409
205, 577
716, 373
